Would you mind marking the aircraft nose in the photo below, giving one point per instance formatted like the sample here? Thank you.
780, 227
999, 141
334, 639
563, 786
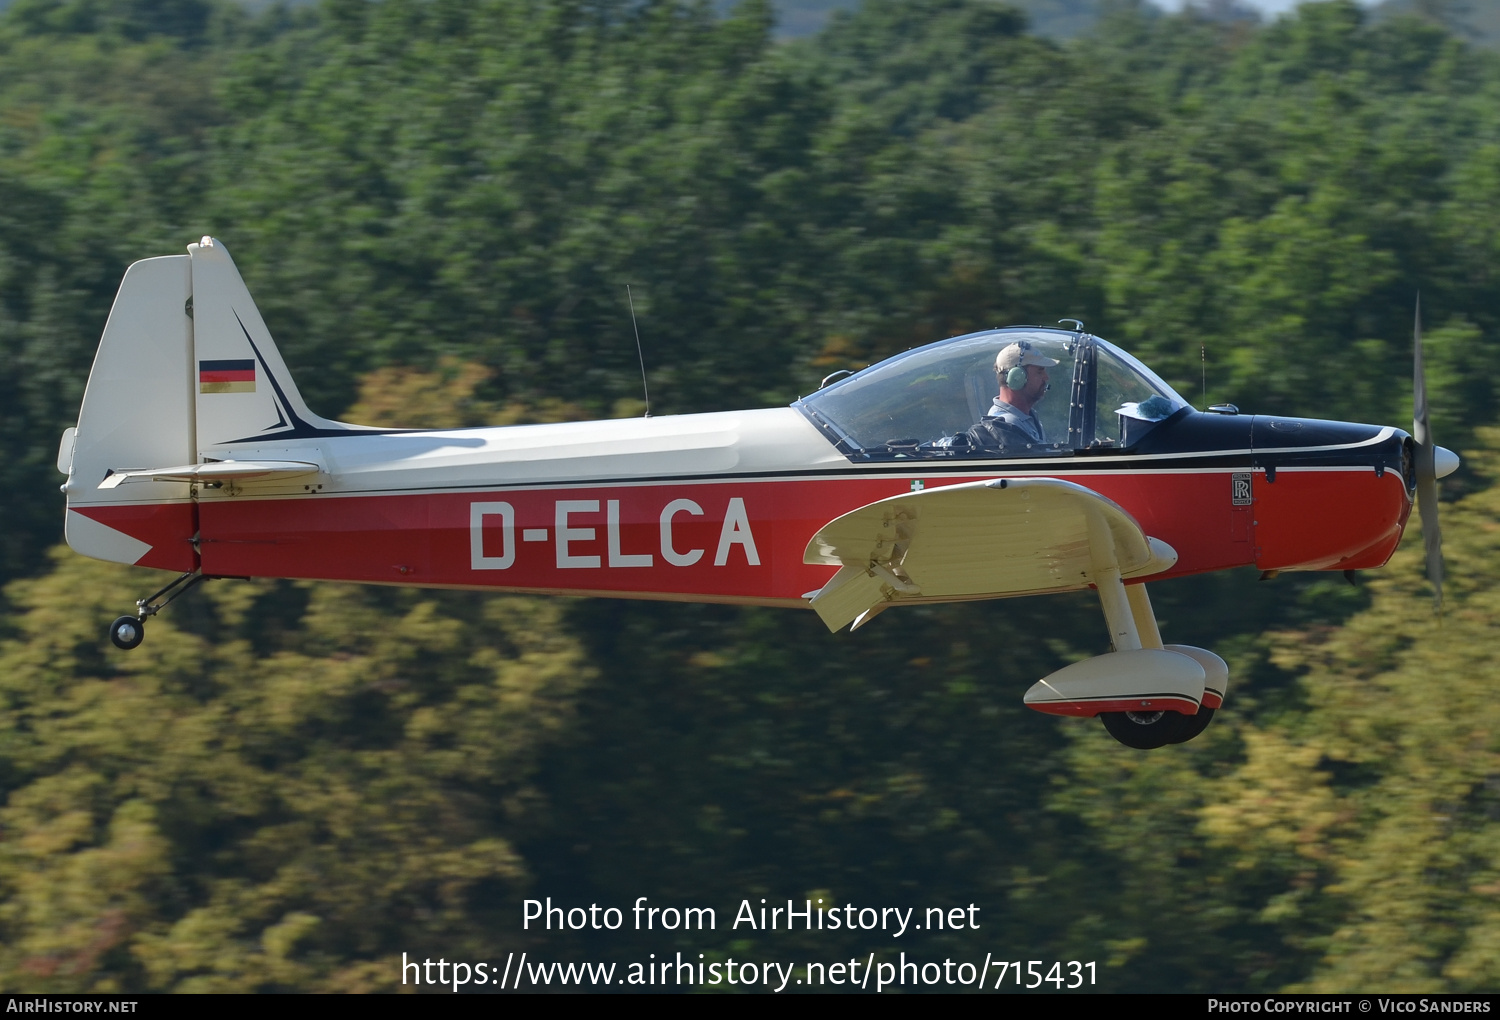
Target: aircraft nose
1444, 461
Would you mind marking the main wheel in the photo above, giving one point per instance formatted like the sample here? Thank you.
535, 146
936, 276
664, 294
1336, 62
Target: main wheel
1193, 725
127, 632
1146, 730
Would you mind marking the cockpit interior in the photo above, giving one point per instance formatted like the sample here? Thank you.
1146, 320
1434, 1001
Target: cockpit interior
936, 401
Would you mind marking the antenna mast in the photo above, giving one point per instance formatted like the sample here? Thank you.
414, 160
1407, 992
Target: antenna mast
639, 353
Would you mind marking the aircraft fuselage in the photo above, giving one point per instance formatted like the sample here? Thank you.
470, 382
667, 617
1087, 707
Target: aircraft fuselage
720, 507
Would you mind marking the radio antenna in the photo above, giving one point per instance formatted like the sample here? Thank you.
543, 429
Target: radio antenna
1203, 354
639, 353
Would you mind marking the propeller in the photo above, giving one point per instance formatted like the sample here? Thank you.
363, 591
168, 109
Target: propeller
1426, 468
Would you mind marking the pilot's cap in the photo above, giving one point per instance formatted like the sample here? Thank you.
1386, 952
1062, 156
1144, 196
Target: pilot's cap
1018, 354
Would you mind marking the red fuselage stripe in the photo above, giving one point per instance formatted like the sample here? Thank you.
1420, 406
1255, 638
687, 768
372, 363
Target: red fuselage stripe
721, 539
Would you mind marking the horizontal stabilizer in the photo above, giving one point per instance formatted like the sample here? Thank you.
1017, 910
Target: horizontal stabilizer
215, 471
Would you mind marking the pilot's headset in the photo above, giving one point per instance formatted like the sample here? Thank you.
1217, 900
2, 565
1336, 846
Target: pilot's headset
1015, 378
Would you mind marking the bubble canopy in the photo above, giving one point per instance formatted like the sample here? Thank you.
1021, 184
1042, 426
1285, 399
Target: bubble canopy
940, 401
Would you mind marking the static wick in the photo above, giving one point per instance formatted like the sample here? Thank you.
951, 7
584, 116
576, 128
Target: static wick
639, 353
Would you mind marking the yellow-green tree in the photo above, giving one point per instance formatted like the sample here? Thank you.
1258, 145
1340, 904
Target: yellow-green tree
285, 787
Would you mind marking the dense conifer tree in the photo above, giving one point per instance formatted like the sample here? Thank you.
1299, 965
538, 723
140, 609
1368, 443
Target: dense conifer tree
438, 206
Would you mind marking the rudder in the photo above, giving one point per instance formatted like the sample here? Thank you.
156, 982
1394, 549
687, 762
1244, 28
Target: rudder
243, 391
137, 413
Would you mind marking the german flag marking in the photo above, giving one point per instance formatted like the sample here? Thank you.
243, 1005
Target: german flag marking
226, 376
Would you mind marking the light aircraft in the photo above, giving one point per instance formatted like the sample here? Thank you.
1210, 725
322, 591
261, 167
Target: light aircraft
195, 453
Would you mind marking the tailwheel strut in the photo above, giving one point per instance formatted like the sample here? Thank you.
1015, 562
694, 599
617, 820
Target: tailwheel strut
129, 631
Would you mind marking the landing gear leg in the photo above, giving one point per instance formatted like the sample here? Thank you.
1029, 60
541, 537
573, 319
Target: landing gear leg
129, 631
1147, 730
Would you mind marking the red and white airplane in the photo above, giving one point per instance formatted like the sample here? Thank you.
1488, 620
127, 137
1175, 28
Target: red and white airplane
195, 453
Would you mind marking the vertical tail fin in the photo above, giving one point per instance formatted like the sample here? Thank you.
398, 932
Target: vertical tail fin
185, 368
243, 391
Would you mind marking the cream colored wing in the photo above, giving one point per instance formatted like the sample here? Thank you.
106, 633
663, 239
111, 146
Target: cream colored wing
977, 540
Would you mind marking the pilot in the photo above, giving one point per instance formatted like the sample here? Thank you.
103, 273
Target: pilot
1023, 383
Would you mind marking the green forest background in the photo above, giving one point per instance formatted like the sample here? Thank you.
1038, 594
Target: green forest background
438, 205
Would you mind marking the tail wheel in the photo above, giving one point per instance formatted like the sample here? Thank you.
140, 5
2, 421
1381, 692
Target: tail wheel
1146, 730
127, 632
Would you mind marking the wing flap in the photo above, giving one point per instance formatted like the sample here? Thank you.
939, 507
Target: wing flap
846, 596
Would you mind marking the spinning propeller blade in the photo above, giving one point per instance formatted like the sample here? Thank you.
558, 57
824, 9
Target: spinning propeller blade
1427, 499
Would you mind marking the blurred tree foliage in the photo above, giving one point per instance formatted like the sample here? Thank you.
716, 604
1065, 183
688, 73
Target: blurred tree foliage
439, 205
288, 788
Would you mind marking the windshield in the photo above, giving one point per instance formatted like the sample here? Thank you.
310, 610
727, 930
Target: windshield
1128, 397
1020, 392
